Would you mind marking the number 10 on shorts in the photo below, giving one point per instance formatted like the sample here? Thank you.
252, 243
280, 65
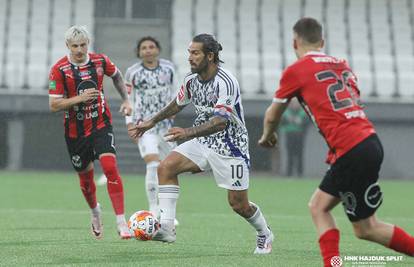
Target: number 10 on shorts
237, 171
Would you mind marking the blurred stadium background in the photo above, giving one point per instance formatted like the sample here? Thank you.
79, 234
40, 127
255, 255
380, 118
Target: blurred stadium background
376, 36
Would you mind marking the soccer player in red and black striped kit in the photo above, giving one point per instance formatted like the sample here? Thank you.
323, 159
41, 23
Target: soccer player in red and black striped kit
328, 91
76, 87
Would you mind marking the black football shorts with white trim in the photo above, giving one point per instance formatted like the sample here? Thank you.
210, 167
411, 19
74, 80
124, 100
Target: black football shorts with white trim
354, 179
84, 150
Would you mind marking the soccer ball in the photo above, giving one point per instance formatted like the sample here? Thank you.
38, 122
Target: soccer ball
143, 225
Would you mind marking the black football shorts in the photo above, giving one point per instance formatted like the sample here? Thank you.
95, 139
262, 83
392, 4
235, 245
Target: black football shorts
83, 150
354, 179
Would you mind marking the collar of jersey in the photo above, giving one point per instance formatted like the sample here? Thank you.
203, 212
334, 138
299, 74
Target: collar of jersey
314, 53
145, 67
79, 64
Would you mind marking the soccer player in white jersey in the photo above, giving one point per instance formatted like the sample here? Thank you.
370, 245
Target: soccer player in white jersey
150, 83
218, 141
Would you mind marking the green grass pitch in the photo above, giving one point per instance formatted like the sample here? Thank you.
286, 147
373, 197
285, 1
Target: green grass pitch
44, 221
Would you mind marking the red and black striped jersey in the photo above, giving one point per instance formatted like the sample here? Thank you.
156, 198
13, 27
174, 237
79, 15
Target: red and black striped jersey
67, 80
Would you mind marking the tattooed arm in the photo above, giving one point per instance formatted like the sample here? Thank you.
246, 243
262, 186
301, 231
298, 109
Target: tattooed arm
214, 125
170, 110
119, 84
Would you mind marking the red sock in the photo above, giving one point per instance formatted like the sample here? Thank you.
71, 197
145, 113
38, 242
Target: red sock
329, 245
88, 187
114, 184
402, 242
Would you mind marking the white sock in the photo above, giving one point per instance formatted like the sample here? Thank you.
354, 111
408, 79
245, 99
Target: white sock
168, 195
151, 186
120, 219
96, 211
258, 221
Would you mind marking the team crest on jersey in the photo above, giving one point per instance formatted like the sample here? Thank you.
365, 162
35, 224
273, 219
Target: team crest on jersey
164, 77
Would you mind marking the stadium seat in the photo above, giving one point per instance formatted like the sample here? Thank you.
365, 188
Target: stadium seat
365, 83
204, 17
226, 34
406, 85
314, 9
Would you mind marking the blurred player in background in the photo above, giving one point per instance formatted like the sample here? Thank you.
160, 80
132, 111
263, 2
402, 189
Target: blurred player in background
293, 125
217, 141
150, 83
327, 89
76, 87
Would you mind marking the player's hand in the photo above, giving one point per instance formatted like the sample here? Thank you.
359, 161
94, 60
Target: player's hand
89, 95
175, 134
134, 139
126, 108
268, 141
138, 130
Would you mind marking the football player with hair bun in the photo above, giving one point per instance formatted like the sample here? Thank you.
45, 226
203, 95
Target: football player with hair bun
218, 141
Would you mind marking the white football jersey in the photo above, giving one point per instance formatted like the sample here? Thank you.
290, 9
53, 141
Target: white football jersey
219, 96
151, 91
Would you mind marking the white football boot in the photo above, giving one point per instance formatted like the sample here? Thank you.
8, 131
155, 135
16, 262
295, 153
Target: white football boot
165, 235
264, 243
96, 223
123, 231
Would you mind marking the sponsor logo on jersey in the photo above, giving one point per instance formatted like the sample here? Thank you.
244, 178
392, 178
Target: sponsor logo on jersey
52, 85
84, 73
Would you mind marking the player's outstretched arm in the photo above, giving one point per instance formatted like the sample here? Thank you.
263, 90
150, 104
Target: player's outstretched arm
60, 103
271, 121
170, 110
214, 125
119, 84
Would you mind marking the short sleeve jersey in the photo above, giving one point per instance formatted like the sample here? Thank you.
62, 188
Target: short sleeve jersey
69, 80
150, 91
327, 89
219, 96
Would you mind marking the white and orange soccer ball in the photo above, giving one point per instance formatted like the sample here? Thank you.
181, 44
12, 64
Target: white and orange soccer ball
143, 225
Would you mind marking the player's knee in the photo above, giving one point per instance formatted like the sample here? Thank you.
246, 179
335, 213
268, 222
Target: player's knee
314, 209
239, 207
165, 170
365, 233
362, 233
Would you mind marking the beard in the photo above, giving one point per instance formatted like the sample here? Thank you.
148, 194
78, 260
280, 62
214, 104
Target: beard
201, 67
